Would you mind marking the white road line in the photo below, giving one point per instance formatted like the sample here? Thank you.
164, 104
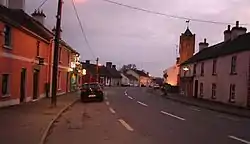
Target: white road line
106, 98
107, 103
194, 109
141, 103
126, 125
239, 139
112, 110
169, 114
228, 117
125, 94
130, 97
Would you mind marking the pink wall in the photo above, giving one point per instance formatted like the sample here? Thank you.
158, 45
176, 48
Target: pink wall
223, 79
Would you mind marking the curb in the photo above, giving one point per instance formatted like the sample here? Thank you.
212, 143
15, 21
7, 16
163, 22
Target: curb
206, 107
46, 132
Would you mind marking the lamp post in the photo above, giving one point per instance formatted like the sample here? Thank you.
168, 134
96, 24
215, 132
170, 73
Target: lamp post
56, 50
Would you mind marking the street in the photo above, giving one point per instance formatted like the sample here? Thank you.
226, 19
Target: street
133, 115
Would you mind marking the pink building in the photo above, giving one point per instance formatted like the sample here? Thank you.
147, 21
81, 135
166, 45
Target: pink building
220, 72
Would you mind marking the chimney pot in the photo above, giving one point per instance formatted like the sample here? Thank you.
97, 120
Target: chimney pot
205, 40
228, 27
237, 23
87, 61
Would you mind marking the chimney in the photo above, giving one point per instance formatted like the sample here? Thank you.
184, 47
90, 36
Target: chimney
227, 34
177, 60
114, 66
203, 45
87, 62
39, 16
237, 31
16, 4
109, 64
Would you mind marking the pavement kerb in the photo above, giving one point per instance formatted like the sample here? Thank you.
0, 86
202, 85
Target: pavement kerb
207, 107
48, 128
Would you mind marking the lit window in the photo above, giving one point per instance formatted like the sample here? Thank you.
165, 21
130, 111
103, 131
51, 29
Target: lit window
7, 35
213, 91
232, 93
214, 67
5, 84
233, 65
201, 89
202, 69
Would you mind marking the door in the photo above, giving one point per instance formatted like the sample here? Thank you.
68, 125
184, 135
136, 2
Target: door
35, 83
22, 85
196, 88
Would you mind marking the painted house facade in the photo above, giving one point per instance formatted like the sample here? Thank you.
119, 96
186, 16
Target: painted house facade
143, 78
220, 72
26, 50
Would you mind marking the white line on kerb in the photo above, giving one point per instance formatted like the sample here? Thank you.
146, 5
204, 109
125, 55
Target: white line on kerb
141, 103
130, 97
112, 110
239, 139
127, 126
195, 109
107, 103
169, 114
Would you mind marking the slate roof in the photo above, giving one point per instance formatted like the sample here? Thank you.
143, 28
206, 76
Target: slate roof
19, 19
239, 44
188, 32
114, 73
130, 77
141, 73
91, 68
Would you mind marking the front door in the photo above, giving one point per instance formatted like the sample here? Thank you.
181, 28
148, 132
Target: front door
22, 85
35, 83
196, 88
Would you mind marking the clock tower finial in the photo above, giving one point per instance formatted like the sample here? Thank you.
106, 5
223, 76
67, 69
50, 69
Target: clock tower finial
187, 21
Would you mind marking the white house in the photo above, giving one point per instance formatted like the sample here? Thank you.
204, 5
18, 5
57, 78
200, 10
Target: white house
143, 78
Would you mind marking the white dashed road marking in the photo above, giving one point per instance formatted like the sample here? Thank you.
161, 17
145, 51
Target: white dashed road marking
106, 98
169, 114
228, 117
130, 97
239, 139
112, 110
127, 126
107, 103
194, 109
141, 103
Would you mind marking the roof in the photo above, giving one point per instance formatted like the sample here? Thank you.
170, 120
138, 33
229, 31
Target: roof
114, 73
188, 32
141, 73
130, 77
19, 18
91, 68
239, 44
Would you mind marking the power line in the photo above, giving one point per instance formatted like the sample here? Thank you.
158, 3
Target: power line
42, 3
168, 15
82, 29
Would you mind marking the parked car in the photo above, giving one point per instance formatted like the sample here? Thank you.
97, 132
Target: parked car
156, 86
91, 92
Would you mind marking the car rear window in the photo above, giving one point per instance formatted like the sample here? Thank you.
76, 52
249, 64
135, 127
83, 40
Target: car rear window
93, 86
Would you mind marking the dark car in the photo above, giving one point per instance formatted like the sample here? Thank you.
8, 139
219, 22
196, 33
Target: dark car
91, 92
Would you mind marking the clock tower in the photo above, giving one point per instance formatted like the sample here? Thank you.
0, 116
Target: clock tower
187, 45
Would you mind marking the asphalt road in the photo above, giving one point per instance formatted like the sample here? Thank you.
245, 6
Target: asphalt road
134, 116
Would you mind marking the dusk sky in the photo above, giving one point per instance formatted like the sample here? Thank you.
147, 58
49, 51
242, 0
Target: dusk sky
124, 36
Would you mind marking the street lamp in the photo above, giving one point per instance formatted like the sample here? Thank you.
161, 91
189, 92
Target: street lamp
186, 69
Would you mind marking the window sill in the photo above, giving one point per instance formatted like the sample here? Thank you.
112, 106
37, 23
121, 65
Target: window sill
233, 73
7, 47
6, 96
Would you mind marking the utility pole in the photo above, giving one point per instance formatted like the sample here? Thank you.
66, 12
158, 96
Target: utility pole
97, 69
56, 50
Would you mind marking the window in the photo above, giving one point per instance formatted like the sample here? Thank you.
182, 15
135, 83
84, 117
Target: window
233, 65
60, 54
213, 91
7, 36
37, 48
202, 69
214, 67
201, 89
232, 93
194, 69
5, 84
59, 81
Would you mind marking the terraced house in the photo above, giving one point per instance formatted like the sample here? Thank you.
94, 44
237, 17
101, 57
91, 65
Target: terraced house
26, 51
220, 72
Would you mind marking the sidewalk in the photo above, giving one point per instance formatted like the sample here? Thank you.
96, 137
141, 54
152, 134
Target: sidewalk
215, 106
25, 124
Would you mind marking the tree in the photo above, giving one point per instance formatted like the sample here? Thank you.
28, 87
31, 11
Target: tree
128, 67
